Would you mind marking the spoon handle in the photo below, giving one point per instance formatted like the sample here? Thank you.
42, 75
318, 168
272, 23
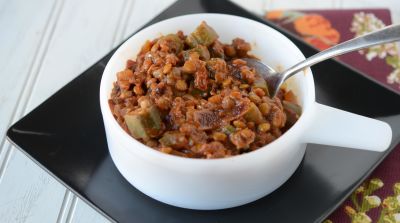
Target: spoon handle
386, 35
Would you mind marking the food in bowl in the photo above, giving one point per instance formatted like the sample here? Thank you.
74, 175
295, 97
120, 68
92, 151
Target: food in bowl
193, 96
209, 184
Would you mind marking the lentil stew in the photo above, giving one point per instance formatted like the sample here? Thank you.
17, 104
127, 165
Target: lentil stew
193, 96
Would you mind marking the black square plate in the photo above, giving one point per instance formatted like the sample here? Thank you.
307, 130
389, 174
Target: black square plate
65, 136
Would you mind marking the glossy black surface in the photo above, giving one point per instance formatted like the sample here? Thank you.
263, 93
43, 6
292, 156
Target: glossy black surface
65, 135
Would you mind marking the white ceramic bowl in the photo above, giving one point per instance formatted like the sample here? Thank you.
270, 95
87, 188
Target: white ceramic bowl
229, 182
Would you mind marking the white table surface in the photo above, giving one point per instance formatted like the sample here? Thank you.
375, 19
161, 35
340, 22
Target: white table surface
46, 43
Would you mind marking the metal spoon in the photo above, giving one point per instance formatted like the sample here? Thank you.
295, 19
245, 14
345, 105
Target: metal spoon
275, 79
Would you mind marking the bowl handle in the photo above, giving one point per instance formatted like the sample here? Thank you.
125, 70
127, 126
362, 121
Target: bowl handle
331, 126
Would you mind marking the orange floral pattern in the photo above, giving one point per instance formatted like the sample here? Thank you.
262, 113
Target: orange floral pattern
313, 28
317, 31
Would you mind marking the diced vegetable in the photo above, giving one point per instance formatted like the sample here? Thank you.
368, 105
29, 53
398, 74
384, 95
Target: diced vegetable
191, 41
172, 41
292, 106
135, 126
261, 83
228, 129
173, 139
254, 114
196, 92
203, 35
145, 123
153, 120
292, 111
203, 52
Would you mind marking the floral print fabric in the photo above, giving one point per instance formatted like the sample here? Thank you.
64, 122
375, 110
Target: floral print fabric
325, 28
378, 198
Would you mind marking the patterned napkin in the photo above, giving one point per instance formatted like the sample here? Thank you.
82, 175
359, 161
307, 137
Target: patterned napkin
378, 198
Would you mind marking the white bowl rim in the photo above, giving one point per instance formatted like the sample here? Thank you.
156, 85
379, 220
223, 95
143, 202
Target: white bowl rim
269, 148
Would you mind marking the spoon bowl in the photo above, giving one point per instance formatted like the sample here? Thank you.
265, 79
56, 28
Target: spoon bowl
272, 77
